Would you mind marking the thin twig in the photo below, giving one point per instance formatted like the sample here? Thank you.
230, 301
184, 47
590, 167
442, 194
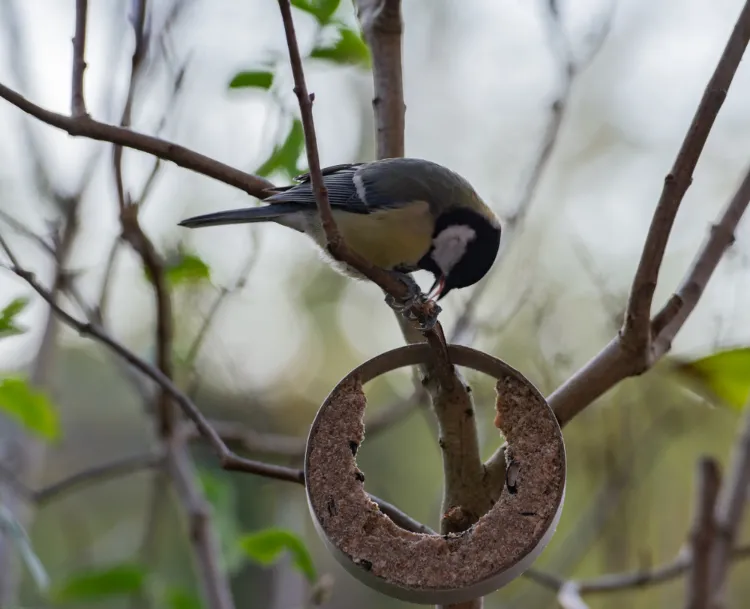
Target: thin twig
78, 102
335, 243
28, 451
200, 337
139, 54
93, 475
616, 582
703, 534
24, 230
465, 327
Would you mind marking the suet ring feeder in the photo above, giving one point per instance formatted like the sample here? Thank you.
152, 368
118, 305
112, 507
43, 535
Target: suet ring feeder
436, 569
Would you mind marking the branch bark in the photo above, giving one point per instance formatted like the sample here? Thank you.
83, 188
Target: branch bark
703, 534
617, 582
77, 102
730, 507
383, 29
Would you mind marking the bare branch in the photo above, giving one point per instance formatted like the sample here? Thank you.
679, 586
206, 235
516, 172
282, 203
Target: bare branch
202, 536
670, 319
636, 330
617, 582
465, 326
85, 126
703, 534
93, 475
77, 102
383, 27
24, 230
730, 508
134, 234
200, 337
335, 243
139, 54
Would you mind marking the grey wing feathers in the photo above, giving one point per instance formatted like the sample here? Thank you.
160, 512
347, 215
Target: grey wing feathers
347, 189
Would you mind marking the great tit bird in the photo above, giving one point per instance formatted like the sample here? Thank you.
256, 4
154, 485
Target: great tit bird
400, 214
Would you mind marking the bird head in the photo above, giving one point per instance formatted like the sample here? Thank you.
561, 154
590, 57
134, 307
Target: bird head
464, 247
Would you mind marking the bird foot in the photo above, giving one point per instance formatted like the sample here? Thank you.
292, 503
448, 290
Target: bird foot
416, 307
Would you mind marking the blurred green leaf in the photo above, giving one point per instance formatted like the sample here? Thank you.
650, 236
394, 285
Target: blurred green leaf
321, 9
8, 315
266, 546
182, 268
220, 494
286, 156
13, 530
96, 584
31, 408
188, 268
179, 598
257, 79
350, 49
723, 376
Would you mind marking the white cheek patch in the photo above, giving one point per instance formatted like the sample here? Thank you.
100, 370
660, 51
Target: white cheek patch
450, 245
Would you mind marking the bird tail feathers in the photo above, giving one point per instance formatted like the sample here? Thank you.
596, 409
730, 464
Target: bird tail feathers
266, 213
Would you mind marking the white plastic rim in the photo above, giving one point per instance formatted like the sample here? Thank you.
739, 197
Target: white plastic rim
467, 358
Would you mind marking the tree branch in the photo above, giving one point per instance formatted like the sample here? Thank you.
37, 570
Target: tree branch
77, 102
616, 582
383, 28
729, 510
96, 474
636, 329
670, 319
703, 534
84, 126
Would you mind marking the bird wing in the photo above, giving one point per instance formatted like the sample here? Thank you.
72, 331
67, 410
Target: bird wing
349, 186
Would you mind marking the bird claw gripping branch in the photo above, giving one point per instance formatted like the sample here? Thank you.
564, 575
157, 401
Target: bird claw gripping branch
415, 307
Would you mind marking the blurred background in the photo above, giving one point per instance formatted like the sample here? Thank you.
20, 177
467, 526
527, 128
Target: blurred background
485, 84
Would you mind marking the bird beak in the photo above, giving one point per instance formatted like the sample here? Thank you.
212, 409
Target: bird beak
437, 288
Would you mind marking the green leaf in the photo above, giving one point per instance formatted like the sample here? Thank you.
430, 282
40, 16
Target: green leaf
350, 49
285, 157
266, 546
96, 584
220, 494
179, 598
8, 325
322, 9
258, 80
188, 268
723, 376
29, 407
